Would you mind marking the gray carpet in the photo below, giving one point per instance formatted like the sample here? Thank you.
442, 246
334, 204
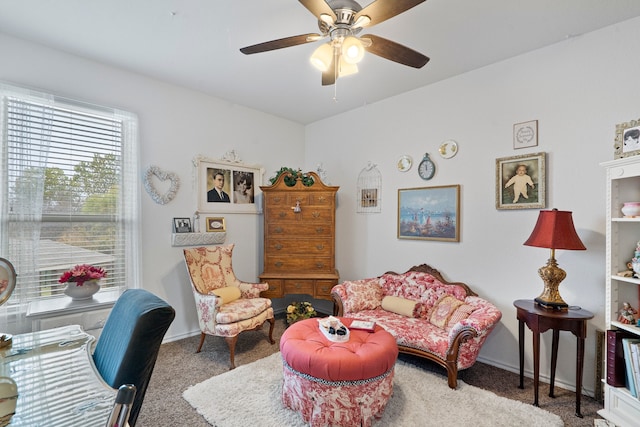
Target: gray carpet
179, 367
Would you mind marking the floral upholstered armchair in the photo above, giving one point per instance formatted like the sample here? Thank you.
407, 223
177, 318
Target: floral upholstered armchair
225, 305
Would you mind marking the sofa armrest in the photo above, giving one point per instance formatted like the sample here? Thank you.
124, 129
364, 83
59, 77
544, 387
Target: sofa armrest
357, 295
339, 294
252, 290
482, 320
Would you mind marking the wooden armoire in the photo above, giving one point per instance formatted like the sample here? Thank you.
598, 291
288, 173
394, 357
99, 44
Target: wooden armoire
299, 237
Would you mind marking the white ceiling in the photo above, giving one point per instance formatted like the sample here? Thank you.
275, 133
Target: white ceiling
195, 43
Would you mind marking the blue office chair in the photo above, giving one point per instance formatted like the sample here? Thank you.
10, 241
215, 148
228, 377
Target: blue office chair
128, 346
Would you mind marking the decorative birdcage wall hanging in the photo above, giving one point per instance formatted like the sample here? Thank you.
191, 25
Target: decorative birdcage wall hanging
369, 190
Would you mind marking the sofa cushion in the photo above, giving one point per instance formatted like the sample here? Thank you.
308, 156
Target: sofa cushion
422, 311
363, 294
462, 312
443, 309
227, 294
398, 305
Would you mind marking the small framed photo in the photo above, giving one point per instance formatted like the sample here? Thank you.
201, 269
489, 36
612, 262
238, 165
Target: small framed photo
215, 224
520, 182
627, 142
182, 225
369, 197
525, 134
429, 213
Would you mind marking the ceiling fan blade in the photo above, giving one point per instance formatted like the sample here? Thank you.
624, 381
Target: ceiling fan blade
395, 52
319, 7
329, 76
281, 43
381, 10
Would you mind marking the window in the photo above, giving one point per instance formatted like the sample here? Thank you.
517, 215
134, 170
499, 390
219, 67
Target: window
69, 193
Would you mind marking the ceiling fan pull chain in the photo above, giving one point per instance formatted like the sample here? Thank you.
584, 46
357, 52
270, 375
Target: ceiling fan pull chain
336, 59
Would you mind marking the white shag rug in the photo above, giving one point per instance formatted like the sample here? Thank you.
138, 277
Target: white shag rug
251, 395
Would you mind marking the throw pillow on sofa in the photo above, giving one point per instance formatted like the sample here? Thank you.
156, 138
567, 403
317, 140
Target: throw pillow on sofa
461, 313
363, 294
443, 309
398, 305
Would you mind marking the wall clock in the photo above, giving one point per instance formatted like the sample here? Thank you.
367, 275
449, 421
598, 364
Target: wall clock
427, 168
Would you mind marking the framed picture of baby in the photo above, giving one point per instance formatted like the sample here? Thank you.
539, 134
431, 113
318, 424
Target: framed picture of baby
521, 182
627, 142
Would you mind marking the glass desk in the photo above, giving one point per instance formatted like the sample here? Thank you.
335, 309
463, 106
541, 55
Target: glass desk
58, 384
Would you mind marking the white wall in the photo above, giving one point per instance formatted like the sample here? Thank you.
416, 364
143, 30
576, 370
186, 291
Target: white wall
175, 126
578, 90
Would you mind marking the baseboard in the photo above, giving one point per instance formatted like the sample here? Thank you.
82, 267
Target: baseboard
529, 374
179, 337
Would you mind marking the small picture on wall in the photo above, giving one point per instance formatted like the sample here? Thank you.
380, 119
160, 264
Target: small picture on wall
182, 225
242, 187
525, 134
627, 142
218, 185
215, 224
520, 182
369, 198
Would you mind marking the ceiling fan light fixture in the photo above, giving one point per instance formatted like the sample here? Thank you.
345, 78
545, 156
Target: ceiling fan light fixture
362, 21
322, 57
346, 69
327, 19
352, 50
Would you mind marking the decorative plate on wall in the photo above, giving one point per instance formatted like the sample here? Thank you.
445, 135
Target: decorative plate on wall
448, 149
404, 163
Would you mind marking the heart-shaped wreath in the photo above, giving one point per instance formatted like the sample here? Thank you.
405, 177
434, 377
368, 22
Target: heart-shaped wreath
162, 176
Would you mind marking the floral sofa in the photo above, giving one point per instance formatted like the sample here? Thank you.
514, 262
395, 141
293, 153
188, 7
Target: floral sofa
428, 316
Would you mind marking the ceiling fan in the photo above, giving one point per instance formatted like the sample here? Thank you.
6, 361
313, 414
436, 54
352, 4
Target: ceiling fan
341, 21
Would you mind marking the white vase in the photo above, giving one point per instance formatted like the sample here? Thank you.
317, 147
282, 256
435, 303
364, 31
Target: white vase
631, 209
86, 291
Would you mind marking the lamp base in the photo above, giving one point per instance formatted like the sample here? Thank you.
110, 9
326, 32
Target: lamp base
550, 305
551, 275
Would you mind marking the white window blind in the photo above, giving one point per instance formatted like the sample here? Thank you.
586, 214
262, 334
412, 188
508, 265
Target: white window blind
69, 192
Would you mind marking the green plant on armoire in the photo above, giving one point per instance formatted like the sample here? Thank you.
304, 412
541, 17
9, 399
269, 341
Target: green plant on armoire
290, 180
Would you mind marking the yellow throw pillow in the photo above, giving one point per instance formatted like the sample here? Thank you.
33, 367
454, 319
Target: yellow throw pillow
398, 305
443, 310
228, 293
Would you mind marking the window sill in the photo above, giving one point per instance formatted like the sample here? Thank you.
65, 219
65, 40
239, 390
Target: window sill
58, 306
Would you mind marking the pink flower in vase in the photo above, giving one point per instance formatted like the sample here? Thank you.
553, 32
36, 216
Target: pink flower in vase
82, 273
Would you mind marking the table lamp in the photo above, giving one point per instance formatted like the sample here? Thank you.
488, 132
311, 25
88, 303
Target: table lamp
554, 230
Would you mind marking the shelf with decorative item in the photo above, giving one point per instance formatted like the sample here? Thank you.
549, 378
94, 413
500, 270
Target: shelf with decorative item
196, 239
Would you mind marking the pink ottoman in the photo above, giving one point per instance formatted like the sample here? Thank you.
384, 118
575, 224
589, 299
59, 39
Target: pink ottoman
337, 383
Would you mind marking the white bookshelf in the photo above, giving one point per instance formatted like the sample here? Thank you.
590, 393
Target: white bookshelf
622, 236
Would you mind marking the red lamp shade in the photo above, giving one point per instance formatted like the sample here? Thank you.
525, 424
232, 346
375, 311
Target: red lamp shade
555, 230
